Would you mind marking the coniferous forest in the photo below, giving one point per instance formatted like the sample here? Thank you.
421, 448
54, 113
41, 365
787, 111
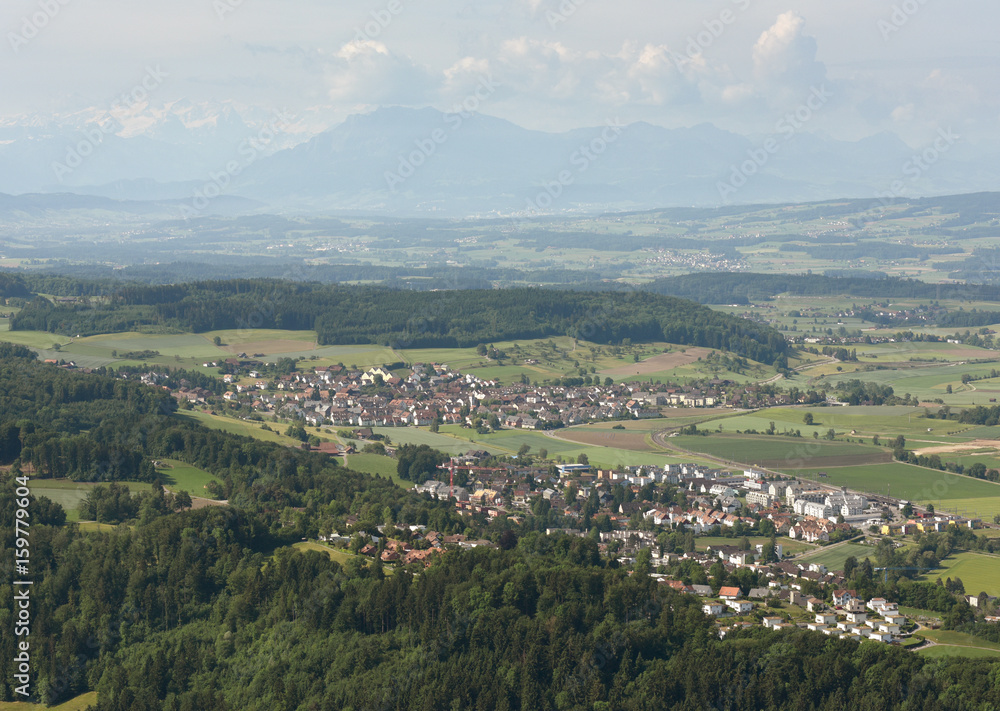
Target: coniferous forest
212, 608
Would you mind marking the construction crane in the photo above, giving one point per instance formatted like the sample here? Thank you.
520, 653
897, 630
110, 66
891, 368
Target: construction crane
452, 466
886, 579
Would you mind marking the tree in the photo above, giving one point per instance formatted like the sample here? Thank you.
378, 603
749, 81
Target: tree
582, 459
643, 562
182, 500
808, 419
217, 340
850, 565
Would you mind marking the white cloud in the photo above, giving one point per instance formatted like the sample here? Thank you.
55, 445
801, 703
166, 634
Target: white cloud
784, 57
366, 72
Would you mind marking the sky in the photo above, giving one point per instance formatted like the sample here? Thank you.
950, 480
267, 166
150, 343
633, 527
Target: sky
911, 67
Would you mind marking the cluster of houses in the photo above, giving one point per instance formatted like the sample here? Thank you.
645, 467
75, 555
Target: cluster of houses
337, 396
848, 616
423, 547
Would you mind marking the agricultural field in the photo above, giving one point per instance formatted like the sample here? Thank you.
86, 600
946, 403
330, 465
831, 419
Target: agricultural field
928, 382
779, 452
179, 476
948, 492
547, 359
834, 556
558, 449
636, 440
855, 422
979, 572
239, 427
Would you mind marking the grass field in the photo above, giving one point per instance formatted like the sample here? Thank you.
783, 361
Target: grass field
178, 476
239, 427
834, 558
884, 421
635, 440
80, 703
70, 494
929, 382
979, 572
913, 612
334, 553
950, 492
957, 644
377, 464
510, 441
538, 360
777, 452
550, 358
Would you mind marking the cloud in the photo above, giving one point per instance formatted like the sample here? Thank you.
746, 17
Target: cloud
366, 72
784, 57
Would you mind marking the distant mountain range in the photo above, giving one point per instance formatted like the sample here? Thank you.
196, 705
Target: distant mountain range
420, 161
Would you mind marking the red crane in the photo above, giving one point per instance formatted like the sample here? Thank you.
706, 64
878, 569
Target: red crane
452, 466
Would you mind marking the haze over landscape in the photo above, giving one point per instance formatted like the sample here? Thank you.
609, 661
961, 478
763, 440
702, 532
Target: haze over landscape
516, 355
316, 105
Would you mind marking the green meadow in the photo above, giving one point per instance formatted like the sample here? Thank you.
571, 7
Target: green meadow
377, 464
70, 494
950, 492
80, 703
178, 476
979, 572
778, 451
834, 557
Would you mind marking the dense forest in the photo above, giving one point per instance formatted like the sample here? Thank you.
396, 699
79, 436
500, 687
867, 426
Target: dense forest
346, 315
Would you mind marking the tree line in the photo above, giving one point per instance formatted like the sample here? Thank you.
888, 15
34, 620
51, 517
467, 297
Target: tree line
348, 315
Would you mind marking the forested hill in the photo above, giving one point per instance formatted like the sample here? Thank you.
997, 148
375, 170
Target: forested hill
356, 314
743, 288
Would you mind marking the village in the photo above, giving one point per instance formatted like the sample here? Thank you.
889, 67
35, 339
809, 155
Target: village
628, 510
338, 396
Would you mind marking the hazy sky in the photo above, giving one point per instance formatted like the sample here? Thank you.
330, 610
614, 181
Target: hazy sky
552, 64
